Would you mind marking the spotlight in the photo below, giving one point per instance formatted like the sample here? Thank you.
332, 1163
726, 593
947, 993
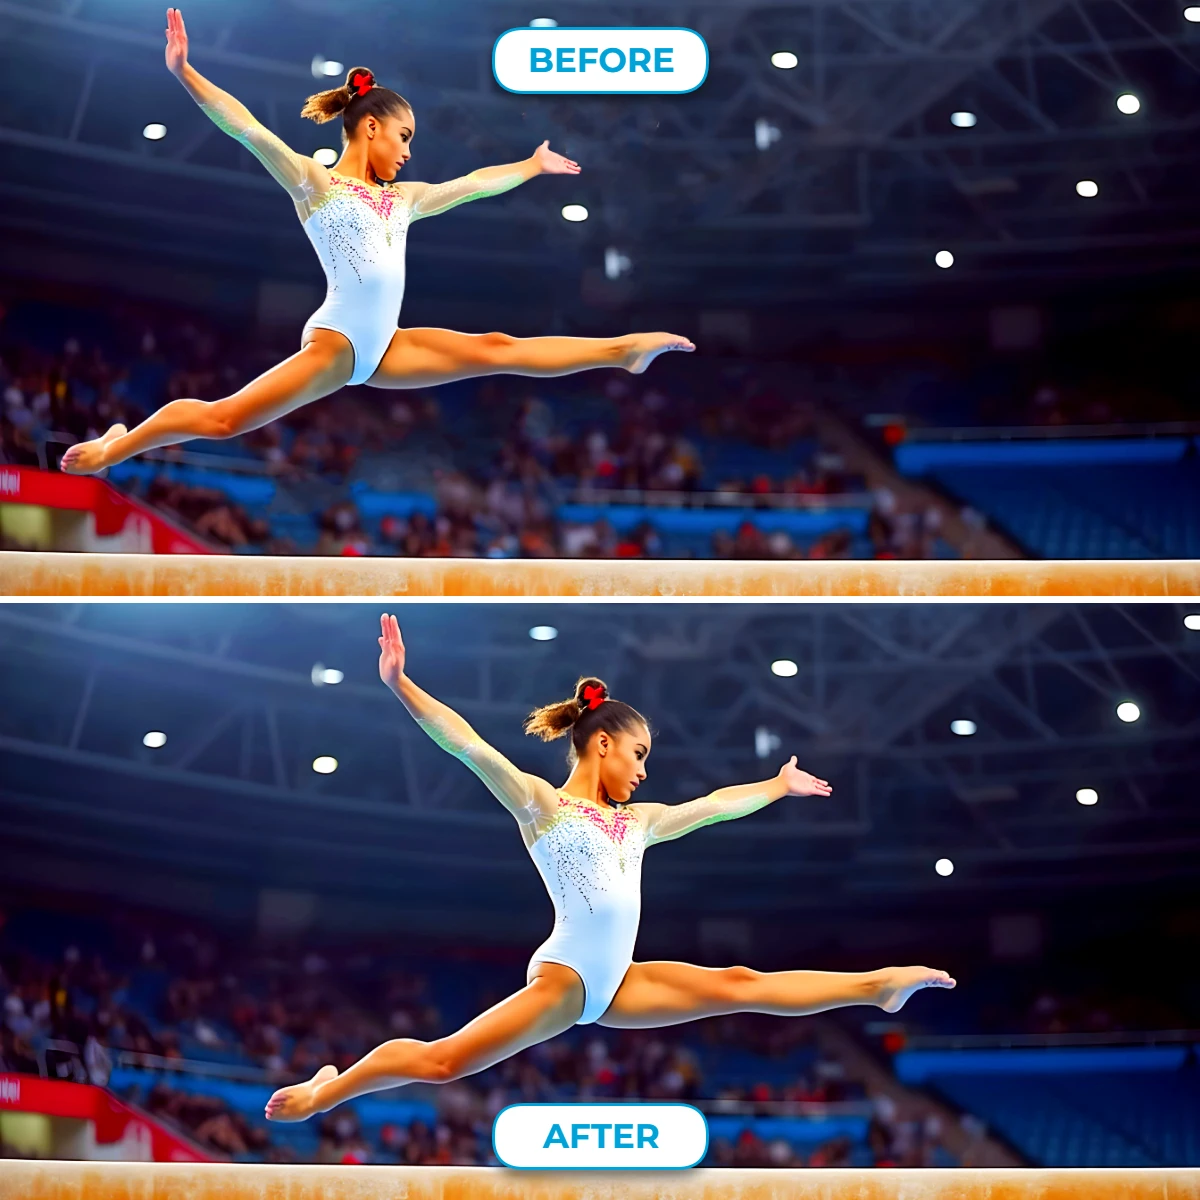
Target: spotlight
326, 68
963, 120
1128, 103
616, 264
765, 742
325, 765
155, 739
326, 156
154, 132
574, 212
1128, 711
766, 134
944, 259
1087, 795
784, 667
543, 633
1088, 188
1192, 620
962, 728
944, 867
1192, 13
543, 23
785, 60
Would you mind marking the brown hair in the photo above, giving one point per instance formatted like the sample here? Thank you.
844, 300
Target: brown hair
354, 104
581, 716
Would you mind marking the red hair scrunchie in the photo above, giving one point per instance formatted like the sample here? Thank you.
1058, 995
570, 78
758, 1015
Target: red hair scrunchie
364, 83
594, 696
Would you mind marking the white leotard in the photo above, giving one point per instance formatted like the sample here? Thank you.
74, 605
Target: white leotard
589, 856
358, 230
359, 235
590, 860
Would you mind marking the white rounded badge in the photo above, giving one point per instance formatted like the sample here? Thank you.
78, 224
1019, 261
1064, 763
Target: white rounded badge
600, 60
598, 1137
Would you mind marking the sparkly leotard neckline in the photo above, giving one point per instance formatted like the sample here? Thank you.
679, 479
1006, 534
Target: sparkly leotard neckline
616, 829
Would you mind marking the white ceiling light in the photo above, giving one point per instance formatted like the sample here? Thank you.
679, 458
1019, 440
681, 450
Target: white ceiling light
155, 739
1128, 103
766, 134
325, 765
944, 259
785, 60
322, 675
1192, 620
326, 68
765, 742
1192, 13
574, 212
944, 867
784, 667
963, 120
963, 728
326, 156
1087, 795
1088, 188
1128, 711
543, 633
154, 132
543, 23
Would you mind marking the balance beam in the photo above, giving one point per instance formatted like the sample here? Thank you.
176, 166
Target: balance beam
226, 1181
37, 573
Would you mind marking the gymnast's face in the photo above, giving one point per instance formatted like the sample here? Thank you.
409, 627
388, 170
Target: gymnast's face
389, 142
622, 761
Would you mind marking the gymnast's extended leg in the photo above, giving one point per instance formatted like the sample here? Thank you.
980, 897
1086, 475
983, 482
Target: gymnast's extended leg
324, 363
426, 357
667, 993
550, 1003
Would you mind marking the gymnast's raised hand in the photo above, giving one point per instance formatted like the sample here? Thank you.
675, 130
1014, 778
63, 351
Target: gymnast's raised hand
357, 215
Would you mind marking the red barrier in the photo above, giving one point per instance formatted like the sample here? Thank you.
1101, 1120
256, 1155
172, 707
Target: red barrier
114, 512
112, 1119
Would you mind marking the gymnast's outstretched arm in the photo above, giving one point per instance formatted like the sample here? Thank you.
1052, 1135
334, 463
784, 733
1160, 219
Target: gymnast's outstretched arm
664, 822
429, 199
529, 798
301, 176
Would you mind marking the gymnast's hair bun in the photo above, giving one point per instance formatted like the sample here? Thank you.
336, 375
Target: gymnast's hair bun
554, 720
324, 106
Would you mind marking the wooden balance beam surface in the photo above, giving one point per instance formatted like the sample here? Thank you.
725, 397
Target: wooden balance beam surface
36, 573
24, 1180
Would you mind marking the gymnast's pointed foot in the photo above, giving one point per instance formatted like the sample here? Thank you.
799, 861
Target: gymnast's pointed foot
298, 1102
898, 983
646, 347
86, 458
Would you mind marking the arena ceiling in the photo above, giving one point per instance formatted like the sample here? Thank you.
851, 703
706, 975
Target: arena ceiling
860, 179
232, 797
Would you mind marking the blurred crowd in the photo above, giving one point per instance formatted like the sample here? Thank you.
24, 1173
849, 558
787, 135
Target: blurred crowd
644, 438
176, 995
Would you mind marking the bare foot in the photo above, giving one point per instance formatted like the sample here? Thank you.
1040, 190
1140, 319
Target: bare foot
298, 1102
900, 982
86, 458
648, 346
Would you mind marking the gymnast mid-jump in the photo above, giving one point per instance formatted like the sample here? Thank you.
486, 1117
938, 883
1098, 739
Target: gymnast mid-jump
587, 839
357, 220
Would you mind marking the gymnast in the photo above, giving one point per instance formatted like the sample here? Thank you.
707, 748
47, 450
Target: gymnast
357, 219
587, 839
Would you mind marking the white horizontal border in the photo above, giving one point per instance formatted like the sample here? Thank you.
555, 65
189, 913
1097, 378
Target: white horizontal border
387, 601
